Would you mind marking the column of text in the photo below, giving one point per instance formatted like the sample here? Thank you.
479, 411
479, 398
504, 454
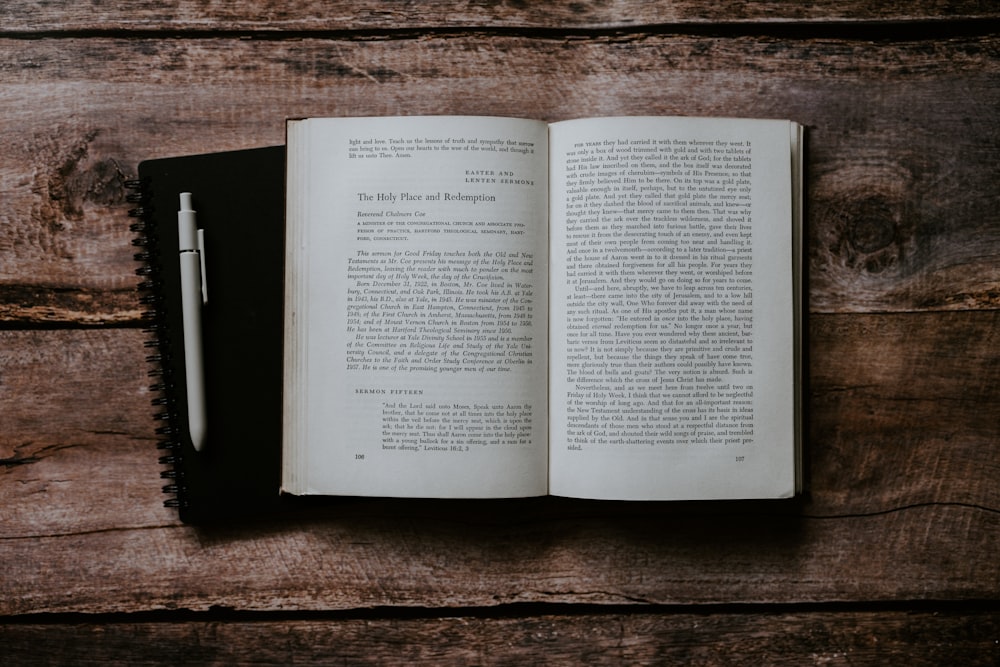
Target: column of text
659, 279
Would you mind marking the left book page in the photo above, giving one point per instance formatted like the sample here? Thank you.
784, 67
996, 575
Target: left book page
416, 307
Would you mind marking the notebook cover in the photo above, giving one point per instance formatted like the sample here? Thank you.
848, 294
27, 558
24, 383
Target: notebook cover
239, 200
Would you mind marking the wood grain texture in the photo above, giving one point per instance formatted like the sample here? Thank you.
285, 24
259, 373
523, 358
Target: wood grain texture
780, 638
888, 559
376, 554
904, 409
25, 16
904, 153
902, 501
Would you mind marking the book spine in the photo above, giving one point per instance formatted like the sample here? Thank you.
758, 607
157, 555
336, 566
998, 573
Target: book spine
161, 365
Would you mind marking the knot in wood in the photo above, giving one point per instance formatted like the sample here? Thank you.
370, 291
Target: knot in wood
870, 234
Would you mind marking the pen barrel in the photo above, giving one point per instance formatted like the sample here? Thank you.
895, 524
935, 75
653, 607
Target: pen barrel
187, 230
194, 362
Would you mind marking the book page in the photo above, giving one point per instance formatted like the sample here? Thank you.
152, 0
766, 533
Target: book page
672, 324
416, 306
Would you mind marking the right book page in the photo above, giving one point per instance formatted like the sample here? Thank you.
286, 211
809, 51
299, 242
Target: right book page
674, 308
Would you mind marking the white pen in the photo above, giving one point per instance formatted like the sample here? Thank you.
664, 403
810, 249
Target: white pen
192, 299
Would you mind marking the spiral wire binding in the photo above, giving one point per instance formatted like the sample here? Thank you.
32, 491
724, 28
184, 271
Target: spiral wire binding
161, 368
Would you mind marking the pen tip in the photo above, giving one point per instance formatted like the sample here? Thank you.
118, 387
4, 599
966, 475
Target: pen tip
186, 201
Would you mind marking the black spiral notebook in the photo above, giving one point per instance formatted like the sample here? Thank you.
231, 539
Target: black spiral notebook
239, 200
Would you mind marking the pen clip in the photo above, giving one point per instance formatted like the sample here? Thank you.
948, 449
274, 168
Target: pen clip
204, 276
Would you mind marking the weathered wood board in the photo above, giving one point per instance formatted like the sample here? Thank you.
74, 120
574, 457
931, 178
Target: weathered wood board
521, 637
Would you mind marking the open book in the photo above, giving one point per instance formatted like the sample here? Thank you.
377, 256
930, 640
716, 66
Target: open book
491, 307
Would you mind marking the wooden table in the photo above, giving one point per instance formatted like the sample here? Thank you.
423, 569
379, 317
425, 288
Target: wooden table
891, 556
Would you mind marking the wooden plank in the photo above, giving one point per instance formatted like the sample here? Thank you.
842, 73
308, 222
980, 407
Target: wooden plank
904, 409
25, 16
902, 166
778, 638
83, 387
77, 446
374, 554
902, 501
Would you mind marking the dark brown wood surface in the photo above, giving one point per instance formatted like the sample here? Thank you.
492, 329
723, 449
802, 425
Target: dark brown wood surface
519, 638
892, 556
